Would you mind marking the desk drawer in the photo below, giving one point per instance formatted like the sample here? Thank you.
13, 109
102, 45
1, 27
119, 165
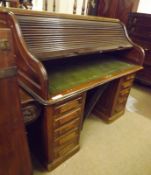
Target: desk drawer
129, 77
67, 118
67, 106
127, 84
125, 92
67, 128
64, 150
121, 100
66, 139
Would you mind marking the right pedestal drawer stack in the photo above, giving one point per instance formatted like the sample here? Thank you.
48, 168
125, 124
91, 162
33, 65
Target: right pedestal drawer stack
139, 29
112, 103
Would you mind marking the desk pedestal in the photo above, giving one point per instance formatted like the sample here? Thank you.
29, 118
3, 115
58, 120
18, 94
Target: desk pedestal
112, 103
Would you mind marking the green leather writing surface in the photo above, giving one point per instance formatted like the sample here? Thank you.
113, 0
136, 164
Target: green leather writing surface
65, 76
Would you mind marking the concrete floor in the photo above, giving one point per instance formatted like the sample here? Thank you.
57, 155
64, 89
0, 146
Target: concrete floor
120, 148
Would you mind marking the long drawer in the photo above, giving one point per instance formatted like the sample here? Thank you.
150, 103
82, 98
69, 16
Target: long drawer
67, 106
67, 128
62, 151
76, 113
65, 139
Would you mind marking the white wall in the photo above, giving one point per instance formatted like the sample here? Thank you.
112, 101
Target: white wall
37, 4
66, 6
62, 6
144, 6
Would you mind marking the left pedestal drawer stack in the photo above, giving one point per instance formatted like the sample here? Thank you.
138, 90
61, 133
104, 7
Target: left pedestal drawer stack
57, 132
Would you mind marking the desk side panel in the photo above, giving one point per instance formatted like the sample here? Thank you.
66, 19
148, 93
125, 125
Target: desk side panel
14, 153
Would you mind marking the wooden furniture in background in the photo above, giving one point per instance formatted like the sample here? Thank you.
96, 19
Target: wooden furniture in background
117, 8
139, 29
63, 58
14, 153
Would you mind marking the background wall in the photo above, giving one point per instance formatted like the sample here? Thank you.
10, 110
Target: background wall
37, 4
62, 6
144, 6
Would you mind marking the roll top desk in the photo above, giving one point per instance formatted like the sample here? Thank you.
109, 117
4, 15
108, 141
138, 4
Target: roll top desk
63, 60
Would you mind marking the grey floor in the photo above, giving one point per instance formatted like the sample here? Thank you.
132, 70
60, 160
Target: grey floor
120, 148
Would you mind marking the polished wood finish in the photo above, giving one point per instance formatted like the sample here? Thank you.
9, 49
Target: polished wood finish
139, 29
118, 92
117, 8
60, 58
14, 153
58, 131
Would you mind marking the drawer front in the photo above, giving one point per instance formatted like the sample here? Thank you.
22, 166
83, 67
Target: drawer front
129, 77
67, 118
121, 99
124, 92
67, 106
120, 105
66, 139
127, 84
74, 125
64, 150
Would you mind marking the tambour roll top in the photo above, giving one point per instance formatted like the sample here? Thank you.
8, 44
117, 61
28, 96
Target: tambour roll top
51, 37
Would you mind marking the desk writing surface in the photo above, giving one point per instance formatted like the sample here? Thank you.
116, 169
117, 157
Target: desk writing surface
65, 76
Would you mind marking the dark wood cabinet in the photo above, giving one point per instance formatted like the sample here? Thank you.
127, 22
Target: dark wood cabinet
139, 29
117, 8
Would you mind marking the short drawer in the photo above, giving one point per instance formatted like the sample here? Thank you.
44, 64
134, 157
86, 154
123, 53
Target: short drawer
64, 150
67, 106
74, 125
129, 77
127, 84
66, 139
124, 92
122, 99
67, 117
